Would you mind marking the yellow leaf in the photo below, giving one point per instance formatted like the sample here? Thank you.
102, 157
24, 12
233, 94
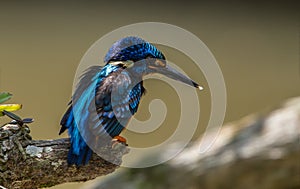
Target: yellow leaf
10, 107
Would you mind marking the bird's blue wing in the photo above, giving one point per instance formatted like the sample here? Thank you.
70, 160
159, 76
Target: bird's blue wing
135, 97
104, 101
77, 114
116, 100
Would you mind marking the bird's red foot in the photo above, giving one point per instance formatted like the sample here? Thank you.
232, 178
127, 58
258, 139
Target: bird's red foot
118, 140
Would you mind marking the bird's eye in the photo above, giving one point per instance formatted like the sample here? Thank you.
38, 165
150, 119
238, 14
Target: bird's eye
160, 63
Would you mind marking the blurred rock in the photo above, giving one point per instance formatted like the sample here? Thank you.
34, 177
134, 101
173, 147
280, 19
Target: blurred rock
261, 152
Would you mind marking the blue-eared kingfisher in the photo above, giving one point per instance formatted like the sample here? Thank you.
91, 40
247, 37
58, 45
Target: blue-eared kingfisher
115, 90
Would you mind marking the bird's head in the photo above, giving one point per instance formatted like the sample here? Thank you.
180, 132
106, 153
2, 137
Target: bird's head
144, 58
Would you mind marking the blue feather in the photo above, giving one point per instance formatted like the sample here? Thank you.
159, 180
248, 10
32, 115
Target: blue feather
95, 90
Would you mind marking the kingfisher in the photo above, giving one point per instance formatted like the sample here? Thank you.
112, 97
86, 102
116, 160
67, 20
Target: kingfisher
106, 97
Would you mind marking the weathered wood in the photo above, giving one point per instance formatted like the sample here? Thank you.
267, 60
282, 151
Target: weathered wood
26, 163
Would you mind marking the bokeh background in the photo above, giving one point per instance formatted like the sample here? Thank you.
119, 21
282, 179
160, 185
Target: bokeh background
255, 43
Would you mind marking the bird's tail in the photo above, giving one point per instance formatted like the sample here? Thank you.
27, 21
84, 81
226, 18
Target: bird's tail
79, 152
82, 158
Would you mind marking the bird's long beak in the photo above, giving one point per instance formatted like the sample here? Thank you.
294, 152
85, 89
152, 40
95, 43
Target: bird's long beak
174, 74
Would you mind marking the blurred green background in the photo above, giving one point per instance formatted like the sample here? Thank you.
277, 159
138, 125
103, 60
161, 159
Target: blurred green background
256, 45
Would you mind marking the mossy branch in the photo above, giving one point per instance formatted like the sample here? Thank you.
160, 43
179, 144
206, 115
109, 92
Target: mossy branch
26, 163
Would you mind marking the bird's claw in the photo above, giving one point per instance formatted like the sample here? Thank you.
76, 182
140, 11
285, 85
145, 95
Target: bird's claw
117, 140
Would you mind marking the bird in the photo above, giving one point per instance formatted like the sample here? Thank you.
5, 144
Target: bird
115, 91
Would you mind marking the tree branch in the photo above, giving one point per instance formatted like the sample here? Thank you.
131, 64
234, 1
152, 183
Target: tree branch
26, 163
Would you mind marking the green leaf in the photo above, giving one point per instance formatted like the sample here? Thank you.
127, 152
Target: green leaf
5, 96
